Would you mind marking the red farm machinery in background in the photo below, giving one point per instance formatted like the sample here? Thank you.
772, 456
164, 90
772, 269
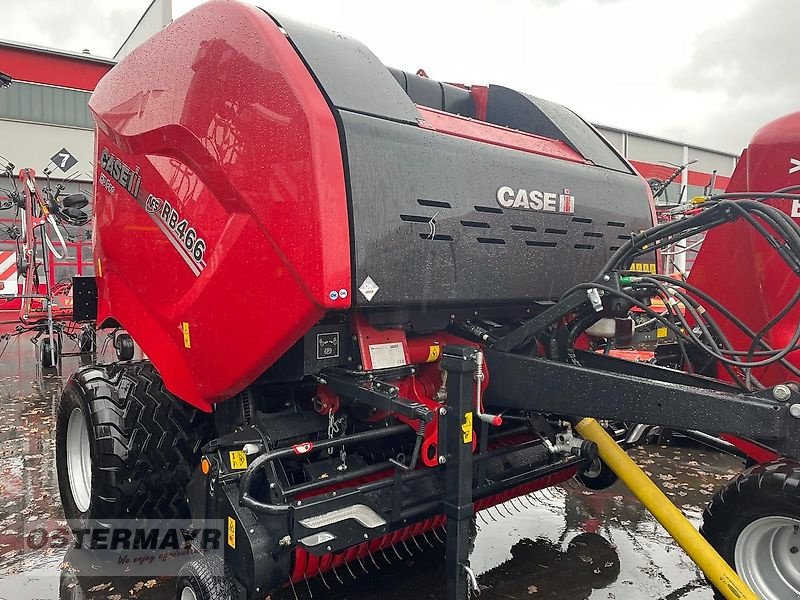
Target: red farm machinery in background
39, 236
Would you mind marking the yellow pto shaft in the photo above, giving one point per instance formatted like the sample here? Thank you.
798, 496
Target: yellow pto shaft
699, 550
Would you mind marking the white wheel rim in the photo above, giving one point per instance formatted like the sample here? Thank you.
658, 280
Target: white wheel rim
188, 594
79, 460
767, 557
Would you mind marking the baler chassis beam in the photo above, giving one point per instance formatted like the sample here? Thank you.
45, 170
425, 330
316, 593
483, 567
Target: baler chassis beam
644, 394
410, 508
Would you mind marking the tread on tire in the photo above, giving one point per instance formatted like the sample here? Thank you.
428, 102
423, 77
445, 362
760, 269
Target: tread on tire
144, 444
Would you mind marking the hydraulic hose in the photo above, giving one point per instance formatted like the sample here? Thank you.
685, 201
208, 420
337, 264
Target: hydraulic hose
248, 501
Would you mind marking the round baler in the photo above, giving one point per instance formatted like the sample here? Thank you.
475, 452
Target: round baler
293, 233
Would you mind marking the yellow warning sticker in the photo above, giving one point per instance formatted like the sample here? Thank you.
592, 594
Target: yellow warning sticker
231, 533
643, 267
238, 460
187, 341
466, 428
433, 353
661, 332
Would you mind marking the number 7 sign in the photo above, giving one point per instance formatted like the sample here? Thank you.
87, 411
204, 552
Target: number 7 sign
64, 160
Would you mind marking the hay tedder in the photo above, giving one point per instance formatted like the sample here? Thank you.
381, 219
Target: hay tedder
366, 299
46, 308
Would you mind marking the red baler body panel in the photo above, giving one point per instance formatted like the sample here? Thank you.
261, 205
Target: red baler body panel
239, 146
738, 267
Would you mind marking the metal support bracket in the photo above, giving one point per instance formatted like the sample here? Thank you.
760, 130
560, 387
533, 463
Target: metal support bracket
371, 391
461, 364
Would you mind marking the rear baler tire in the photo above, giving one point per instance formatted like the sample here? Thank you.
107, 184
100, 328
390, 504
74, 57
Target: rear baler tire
143, 444
761, 495
208, 578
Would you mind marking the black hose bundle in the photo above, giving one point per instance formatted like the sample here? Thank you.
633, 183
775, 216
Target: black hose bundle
776, 227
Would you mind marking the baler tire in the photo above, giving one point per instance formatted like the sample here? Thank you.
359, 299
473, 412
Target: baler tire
758, 497
142, 441
45, 358
603, 480
124, 347
206, 578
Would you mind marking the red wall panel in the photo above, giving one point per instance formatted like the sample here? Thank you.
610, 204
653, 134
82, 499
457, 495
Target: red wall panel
53, 69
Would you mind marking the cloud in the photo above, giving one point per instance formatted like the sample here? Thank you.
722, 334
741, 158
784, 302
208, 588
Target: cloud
98, 26
708, 73
742, 74
561, 2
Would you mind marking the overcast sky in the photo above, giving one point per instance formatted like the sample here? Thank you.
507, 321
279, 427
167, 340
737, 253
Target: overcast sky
706, 72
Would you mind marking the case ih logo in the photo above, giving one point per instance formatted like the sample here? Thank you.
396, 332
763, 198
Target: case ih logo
180, 233
522, 199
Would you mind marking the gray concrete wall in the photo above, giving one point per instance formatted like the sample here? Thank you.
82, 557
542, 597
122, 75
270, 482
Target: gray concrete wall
32, 145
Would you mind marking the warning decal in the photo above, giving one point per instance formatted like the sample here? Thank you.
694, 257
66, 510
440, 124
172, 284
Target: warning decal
231, 533
466, 428
238, 460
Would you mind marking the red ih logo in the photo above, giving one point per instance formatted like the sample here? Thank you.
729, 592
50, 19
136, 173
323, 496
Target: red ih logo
566, 202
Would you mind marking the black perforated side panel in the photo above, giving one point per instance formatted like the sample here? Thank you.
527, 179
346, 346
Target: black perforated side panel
429, 231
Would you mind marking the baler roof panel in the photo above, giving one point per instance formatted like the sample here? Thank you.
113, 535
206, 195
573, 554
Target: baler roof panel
352, 77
